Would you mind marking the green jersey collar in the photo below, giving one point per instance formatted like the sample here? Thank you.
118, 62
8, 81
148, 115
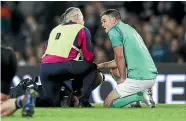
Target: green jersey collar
115, 25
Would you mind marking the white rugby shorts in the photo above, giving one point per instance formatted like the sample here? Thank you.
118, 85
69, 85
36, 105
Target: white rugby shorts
132, 86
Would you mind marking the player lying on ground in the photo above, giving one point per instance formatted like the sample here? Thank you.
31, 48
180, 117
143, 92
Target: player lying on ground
68, 97
130, 52
9, 68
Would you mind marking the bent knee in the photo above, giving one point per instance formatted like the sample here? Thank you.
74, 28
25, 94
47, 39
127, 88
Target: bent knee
107, 103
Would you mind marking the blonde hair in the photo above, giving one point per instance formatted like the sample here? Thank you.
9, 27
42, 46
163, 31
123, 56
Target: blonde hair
67, 16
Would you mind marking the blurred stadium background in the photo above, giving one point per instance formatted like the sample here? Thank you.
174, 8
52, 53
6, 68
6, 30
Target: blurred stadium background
25, 26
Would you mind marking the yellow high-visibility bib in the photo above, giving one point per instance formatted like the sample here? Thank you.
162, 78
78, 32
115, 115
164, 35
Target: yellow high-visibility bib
61, 40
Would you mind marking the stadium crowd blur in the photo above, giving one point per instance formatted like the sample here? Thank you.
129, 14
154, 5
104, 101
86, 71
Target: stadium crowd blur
25, 26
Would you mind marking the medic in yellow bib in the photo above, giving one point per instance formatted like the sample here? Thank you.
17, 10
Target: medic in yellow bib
66, 43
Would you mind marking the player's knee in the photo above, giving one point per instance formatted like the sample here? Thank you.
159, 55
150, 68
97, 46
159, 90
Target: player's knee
107, 103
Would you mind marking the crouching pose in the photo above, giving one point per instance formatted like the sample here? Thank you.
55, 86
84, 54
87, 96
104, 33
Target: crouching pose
130, 53
67, 42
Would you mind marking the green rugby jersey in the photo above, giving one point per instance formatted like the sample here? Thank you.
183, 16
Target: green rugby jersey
139, 62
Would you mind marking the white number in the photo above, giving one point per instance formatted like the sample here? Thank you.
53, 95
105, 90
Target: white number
139, 40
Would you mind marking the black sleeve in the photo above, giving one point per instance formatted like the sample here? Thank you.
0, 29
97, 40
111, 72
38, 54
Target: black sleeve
9, 69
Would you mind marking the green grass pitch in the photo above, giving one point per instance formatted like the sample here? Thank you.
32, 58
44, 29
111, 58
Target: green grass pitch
160, 113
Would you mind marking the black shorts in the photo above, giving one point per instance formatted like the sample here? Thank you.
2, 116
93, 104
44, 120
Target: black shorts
8, 68
53, 76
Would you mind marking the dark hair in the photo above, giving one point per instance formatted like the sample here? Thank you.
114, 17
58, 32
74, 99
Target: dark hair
112, 12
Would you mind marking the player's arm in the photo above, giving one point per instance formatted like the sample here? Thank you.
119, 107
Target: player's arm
120, 61
118, 41
107, 65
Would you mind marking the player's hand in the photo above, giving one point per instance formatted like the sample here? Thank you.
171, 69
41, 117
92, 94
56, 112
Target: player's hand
100, 66
121, 80
8, 107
